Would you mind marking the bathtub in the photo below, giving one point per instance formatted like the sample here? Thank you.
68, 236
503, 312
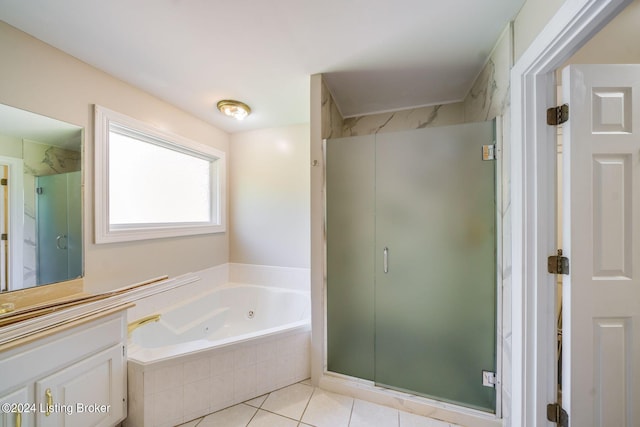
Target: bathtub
220, 348
228, 315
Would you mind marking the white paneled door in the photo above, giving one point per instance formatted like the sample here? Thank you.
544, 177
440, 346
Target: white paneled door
601, 234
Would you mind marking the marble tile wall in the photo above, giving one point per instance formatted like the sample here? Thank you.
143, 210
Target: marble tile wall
39, 160
415, 118
30, 241
489, 95
331, 116
42, 159
489, 98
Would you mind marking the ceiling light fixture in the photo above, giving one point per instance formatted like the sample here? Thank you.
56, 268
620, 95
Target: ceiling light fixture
236, 109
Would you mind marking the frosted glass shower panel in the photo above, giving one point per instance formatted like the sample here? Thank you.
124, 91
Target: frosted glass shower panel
435, 321
350, 175
59, 227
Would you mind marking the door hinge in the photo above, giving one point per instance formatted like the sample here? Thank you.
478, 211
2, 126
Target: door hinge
39, 190
558, 264
557, 415
558, 115
4, 181
489, 152
489, 379
4, 236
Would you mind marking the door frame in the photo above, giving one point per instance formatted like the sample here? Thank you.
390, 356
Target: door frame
16, 219
533, 205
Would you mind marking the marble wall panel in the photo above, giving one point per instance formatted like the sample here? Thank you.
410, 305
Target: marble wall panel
40, 160
331, 117
487, 99
414, 118
43, 159
489, 95
29, 244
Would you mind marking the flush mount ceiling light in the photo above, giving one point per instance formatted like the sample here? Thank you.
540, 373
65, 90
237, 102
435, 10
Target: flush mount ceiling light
236, 109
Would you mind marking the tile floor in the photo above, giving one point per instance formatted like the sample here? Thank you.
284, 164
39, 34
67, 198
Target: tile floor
301, 405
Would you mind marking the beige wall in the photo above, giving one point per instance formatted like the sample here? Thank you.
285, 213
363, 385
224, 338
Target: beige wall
531, 19
616, 43
269, 197
44, 80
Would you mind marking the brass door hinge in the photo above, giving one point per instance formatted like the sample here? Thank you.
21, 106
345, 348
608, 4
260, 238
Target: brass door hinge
558, 115
558, 264
557, 415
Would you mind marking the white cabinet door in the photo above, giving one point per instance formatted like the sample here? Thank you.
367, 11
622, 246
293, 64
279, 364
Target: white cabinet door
601, 234
89, 393
17, 409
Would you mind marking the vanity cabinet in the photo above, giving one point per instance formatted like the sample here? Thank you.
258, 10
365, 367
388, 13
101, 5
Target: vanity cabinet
14, 418
70, 378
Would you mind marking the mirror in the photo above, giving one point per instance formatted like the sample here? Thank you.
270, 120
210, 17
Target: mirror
41, 206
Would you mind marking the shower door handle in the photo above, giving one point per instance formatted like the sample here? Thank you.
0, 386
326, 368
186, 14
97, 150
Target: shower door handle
385, 260
59, 239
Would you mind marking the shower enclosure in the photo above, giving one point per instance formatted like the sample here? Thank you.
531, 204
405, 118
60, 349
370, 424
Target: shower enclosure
59, 227
411, 262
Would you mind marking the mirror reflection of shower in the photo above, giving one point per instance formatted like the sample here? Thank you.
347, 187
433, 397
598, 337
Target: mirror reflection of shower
58, 228
33, 150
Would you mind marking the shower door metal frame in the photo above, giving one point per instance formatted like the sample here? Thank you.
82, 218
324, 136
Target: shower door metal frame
499, 300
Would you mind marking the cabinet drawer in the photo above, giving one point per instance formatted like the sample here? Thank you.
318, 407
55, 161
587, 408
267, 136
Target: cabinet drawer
88, 393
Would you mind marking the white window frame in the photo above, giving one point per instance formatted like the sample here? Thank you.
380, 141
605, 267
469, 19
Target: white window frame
105, 232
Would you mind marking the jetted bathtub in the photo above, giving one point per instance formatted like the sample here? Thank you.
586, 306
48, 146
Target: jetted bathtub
215, 350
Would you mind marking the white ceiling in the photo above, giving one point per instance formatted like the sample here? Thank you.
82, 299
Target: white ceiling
378, 55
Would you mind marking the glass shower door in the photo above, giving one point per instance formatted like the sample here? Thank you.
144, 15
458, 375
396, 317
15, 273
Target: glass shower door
435, 263
59, 227
350, 204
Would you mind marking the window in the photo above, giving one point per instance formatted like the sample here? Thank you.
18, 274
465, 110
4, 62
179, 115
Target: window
151, 184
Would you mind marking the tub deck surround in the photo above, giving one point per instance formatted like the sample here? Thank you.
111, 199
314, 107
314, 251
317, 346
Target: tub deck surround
158, 297
226, 315
219, 345
266, 275
181, 389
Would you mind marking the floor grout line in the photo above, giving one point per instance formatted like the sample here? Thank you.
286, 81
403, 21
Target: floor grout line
298, 420
353, 404
283, 416
254, 414
313, 391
